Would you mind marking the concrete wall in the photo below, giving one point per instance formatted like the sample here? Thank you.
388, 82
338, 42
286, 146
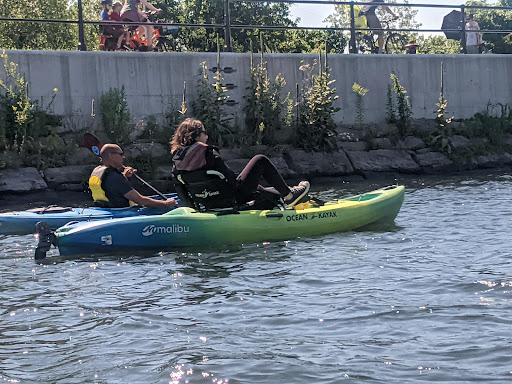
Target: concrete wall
154, 81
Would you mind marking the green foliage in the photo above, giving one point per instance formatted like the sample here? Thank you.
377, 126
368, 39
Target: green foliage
406, 18
28, 35
264, 109
212, 12
494, 20
25, 127
438, 45
493, 124
115, 116
316, 129
360, 93
209, 107
440, 138
390, 106
403, 103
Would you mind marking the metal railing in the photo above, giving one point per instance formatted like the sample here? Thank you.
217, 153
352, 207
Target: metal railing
227, 26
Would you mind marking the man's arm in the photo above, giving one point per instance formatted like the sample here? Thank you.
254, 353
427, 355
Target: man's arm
137, 198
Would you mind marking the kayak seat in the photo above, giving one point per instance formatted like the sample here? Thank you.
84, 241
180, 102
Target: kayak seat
204, 189
50, 209
209, 190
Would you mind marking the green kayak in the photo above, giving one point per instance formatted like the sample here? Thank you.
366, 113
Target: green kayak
185, 227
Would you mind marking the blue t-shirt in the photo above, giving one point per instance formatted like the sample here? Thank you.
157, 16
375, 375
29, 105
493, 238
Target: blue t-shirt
104, 15
116, 186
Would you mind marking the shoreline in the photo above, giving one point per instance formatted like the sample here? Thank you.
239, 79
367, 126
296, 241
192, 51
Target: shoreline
356, 184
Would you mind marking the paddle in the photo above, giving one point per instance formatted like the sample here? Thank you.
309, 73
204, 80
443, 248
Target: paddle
94, 144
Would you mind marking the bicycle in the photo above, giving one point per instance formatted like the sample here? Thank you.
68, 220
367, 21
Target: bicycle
394, 42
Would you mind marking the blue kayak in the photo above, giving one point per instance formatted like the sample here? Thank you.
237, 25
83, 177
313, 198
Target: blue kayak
23, 222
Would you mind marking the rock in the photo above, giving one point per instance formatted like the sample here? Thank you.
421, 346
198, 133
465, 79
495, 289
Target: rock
353, 146
83, 156
229, 154
410, 143
423, 125
423, 151
71, 174
148, 149
381, 143
459, 141
163, 172
383, 160
320, 163
434, 162
508, 140
282, 167
493, 160
21, 180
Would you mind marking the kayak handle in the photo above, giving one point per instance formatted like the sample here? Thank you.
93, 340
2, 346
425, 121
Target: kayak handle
274, 214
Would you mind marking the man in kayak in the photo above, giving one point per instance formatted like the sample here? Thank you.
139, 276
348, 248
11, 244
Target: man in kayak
110, 186
191, 153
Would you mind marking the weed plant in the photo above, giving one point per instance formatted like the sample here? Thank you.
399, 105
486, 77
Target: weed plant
209, 107
25, 127
316, 130
264, 109
403, 107
390, 106
360, 92
115, 116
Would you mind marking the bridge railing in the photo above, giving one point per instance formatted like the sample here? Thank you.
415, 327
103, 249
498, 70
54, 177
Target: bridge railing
227, 26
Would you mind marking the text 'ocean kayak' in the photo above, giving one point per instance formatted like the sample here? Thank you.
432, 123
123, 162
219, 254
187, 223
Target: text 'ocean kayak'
185, 227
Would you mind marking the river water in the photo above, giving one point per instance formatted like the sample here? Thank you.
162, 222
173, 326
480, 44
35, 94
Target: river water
426, 300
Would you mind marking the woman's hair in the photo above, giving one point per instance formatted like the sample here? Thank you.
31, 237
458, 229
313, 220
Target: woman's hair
187, 133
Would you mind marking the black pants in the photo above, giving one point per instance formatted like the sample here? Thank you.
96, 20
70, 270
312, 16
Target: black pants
248, 179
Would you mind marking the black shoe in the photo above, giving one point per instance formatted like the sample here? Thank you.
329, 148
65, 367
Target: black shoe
299, 193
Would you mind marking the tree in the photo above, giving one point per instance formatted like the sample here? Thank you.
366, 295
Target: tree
406, 18
28, 35
437, 45
494, 19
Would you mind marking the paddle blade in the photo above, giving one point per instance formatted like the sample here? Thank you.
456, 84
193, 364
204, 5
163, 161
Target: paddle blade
92, 143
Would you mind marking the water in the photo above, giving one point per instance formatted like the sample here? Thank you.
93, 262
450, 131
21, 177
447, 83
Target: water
429, 300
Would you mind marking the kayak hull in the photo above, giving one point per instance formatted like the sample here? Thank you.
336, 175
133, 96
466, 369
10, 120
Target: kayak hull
185, 228
23, 222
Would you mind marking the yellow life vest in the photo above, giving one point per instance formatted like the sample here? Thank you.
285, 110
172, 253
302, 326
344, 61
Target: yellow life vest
97, 175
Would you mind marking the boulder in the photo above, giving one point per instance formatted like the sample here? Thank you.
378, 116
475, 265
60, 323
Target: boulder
434, 162
410, 143
459, 141
383, 160
83, 156
21, 180
71, 174
229, 154
320, 163
163, 172
282, 167
353, 145
493, 160
381, 143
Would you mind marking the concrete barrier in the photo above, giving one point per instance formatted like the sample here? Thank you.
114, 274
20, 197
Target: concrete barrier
154, 81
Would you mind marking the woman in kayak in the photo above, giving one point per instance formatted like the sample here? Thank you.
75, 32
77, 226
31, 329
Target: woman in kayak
191, 153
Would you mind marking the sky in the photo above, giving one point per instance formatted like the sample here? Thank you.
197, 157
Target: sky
312, 15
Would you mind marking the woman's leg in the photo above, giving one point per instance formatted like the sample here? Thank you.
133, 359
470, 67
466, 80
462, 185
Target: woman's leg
260, 166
